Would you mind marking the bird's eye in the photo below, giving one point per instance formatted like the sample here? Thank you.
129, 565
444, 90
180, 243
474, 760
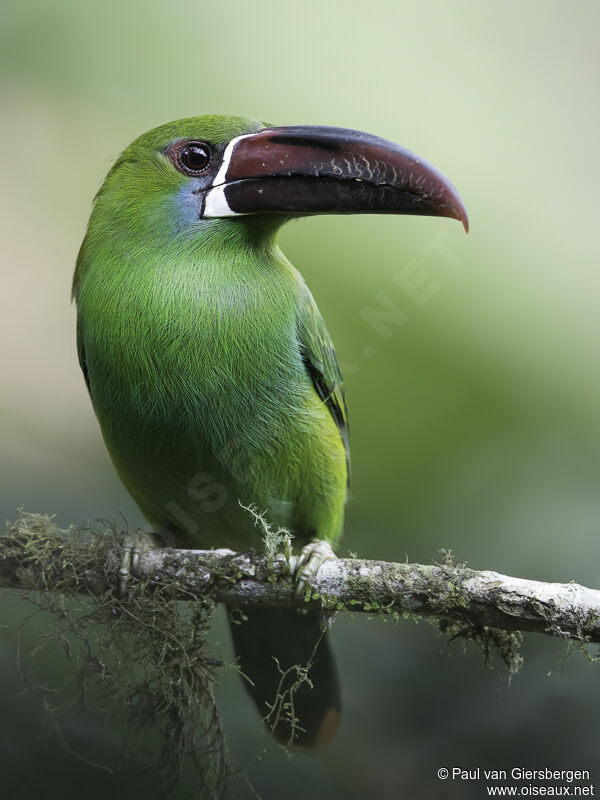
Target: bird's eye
193, 157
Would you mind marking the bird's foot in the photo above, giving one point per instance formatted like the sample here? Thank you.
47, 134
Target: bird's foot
312, 557
134, 546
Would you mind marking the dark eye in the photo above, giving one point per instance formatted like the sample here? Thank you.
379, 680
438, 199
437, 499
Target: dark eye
194, 157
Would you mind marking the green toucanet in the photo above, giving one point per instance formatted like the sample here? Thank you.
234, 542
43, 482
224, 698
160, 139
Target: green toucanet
209, 366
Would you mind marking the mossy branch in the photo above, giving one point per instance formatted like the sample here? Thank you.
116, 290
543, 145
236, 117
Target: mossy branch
446, 591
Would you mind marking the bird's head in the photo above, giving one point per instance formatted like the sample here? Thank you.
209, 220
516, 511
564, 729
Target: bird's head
190, 173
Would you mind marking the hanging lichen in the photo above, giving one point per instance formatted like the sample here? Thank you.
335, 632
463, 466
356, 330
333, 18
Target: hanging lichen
145, 655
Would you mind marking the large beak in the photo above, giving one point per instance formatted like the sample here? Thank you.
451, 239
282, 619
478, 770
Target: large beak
307, 169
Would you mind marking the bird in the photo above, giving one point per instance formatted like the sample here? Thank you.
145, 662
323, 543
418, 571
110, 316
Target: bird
211, 371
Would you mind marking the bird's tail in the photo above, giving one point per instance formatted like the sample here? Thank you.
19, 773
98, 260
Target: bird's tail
291, 672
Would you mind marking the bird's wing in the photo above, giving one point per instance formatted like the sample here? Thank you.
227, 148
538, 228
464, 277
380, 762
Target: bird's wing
81, 355
322, 365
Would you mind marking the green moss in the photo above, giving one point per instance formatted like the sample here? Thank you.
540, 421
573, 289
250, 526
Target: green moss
275, 541
146, 655
283, 709
437, 589
491, 642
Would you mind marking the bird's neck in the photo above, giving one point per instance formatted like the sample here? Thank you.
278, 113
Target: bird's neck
227, 273
210, 249
218, 311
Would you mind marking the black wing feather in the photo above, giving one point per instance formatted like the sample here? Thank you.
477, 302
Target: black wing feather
322, 365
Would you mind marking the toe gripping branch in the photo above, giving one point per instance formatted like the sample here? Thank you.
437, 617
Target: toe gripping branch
310, 560
134, 546
312, 557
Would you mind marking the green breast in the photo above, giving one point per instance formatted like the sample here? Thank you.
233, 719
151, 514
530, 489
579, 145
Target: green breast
202, 396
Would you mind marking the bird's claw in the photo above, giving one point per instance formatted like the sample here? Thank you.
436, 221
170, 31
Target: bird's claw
134, 546
313, 555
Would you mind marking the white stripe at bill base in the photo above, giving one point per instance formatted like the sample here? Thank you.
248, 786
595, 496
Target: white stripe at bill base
222, 173
215, 203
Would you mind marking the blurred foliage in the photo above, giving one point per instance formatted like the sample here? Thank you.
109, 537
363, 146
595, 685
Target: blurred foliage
474, 423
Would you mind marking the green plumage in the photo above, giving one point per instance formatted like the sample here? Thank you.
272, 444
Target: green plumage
209, 366
215, 383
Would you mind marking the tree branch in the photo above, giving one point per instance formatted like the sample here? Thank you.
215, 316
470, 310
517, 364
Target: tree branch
444, 591
482, 598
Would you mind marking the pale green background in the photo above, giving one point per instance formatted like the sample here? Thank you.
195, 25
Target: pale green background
474, 425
